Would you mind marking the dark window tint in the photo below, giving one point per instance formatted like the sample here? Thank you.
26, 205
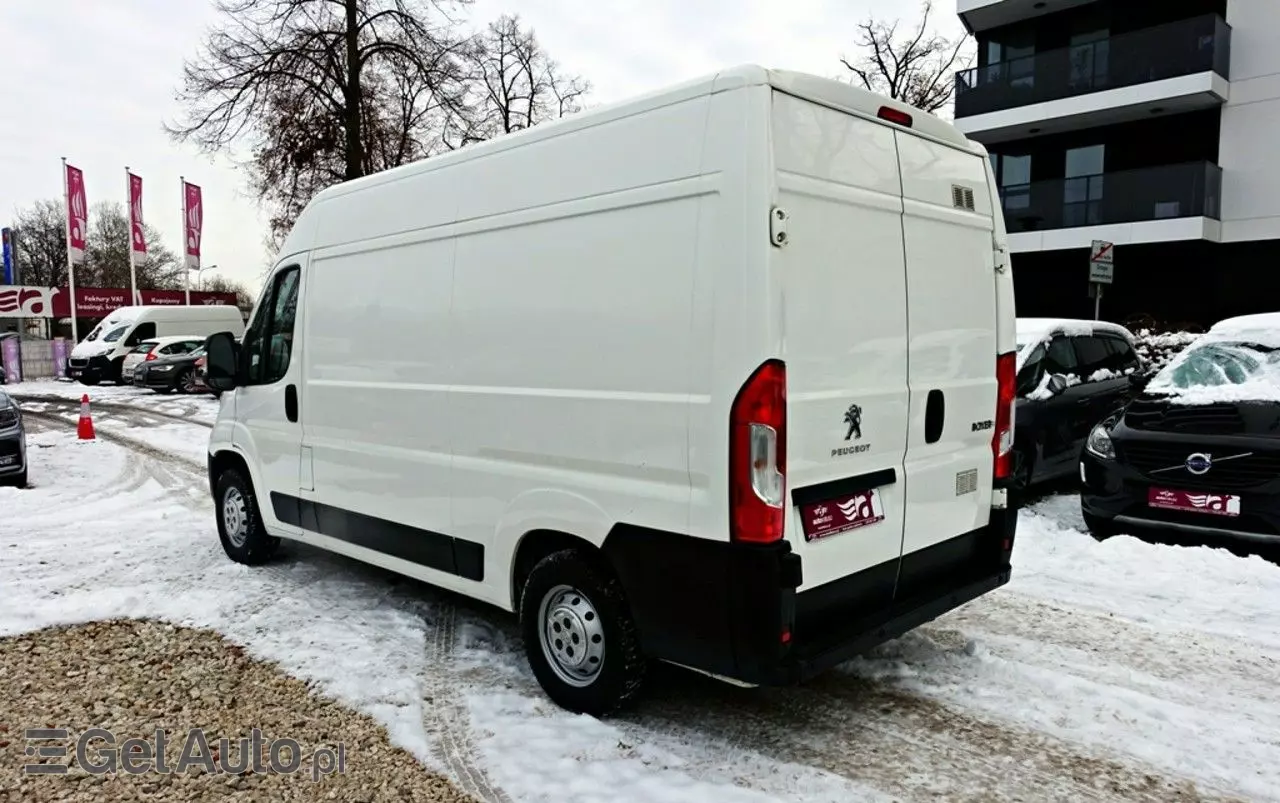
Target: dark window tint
143, 331
1029, 376
1093, 355
1122, 356
1061, 358
271, 334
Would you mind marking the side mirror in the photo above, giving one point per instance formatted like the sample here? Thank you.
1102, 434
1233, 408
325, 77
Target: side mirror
1057, 384
1138, 381
221, 356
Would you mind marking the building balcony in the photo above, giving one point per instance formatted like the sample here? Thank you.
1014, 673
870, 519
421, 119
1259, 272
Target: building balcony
981, 15
1178, 66
1170, 202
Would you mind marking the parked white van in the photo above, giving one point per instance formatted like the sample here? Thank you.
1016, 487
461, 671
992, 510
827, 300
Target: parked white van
648, 377
100, 356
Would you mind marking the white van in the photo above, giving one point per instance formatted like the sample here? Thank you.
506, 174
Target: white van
722, 376
101, 354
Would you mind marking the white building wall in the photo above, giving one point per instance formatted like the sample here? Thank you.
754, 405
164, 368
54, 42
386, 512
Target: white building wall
1250, 146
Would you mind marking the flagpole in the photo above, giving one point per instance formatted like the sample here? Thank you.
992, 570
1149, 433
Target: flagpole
133, 267
186, 266
71, 262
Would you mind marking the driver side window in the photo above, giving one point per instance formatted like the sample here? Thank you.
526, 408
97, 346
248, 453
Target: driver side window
269, 341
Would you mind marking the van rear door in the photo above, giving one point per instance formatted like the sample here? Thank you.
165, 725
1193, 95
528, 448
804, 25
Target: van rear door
952, 322
841, 283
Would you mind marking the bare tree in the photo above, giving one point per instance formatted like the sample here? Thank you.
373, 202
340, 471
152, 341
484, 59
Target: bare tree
512, 84
321, 90
106, 259
41, 235
917, 67
221, 284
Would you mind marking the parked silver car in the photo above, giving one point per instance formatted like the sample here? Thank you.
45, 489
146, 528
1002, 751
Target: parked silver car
13, 443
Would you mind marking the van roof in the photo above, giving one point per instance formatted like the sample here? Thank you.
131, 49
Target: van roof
824, 91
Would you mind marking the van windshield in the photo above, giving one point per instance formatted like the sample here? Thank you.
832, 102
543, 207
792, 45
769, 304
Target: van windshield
114, 334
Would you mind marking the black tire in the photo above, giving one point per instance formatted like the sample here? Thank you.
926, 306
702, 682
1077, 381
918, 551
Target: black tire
622, 668
1101, 529
17, 480
245, 540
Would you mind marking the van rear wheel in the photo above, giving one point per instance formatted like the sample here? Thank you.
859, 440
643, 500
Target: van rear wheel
240, 528
579, 636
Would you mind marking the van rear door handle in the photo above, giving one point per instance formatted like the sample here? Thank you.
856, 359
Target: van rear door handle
291, 403
935, 416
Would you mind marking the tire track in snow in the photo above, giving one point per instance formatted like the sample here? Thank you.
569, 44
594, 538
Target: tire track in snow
910, 747
179, 475
444, 712
72, 405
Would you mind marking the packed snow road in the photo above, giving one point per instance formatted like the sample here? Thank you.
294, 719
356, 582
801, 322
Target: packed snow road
1113, 671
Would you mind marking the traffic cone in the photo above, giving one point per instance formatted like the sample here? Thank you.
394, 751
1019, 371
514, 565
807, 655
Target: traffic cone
85, 430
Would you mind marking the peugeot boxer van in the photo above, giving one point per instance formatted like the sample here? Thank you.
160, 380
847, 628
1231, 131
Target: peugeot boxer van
722, 376
100, 356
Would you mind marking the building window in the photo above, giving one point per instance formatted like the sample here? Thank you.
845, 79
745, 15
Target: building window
1082, 189
1090, 57
1015, 182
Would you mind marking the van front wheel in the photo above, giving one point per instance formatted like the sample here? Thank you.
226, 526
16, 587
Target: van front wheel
244, 538
579, 636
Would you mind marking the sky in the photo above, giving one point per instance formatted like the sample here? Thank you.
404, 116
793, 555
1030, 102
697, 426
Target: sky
94, 81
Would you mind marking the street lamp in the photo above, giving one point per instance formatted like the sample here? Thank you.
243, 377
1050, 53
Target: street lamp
200, 274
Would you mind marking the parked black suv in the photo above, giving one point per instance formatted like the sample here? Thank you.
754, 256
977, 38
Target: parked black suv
1071, 375
1198, 453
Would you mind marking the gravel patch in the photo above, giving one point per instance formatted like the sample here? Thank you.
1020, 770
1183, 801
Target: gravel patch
133, 677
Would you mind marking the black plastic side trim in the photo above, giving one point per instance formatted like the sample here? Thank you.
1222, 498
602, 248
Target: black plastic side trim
843, 487
424, 547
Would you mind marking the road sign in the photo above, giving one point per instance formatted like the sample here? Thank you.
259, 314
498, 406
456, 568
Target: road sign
1102, 262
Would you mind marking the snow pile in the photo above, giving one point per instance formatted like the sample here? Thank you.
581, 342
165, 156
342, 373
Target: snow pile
1158, 348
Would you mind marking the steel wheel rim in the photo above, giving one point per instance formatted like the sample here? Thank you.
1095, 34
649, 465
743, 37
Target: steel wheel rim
235, 518
571, 636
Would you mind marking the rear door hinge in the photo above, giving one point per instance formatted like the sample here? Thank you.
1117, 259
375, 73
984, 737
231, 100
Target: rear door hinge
778, 218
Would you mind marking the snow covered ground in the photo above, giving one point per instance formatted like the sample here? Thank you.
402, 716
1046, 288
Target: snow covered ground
1119, 670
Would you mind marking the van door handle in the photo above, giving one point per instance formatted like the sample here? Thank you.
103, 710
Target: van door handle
291, 403
935, 416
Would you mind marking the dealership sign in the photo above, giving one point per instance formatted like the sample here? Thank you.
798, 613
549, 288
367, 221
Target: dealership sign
92, 302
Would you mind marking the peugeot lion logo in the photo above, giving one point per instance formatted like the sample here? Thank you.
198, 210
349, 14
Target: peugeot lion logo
1199, 463
853, 417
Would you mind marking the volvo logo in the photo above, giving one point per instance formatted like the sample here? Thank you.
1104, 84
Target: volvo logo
1199, 463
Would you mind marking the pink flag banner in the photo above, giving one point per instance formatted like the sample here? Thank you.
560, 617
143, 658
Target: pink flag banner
137, 235
77, 214
194, 224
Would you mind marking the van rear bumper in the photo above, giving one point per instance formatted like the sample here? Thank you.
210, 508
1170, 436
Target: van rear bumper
734, 609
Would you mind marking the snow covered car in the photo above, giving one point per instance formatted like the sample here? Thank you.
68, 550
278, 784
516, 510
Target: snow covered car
13, 443
1198, 452
1071, 375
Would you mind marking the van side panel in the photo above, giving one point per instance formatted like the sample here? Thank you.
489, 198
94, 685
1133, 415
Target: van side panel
374, 402
572, 302
953, 319
841, 294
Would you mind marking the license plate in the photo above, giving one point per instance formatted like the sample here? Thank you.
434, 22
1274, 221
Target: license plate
1185, 501
74, 372
8, 460
842, 514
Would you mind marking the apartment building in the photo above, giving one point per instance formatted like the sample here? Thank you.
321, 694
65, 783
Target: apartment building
1153, 124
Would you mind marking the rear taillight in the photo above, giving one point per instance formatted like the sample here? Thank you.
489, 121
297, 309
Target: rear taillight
1002, 439
894, 116
758, 456
151, 355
